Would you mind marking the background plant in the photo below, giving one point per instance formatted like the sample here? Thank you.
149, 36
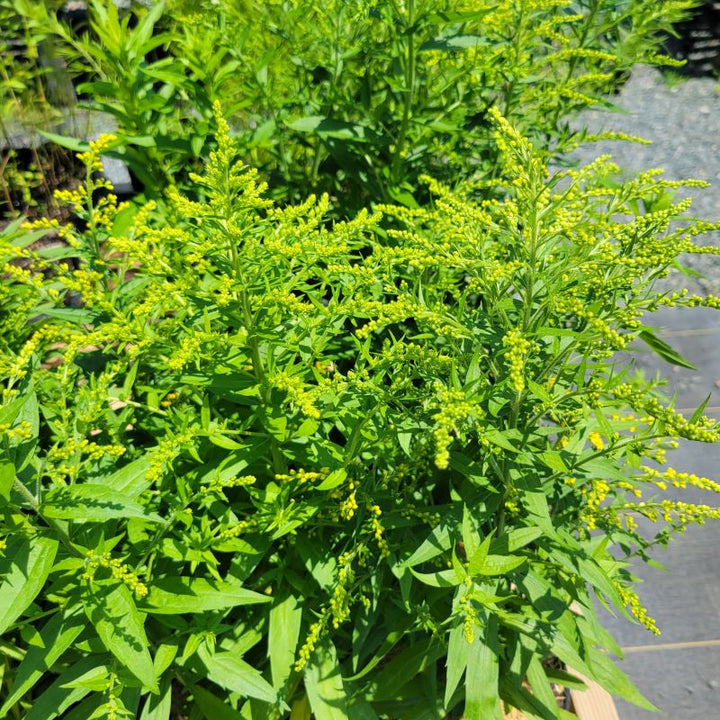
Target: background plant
33, 89
273, 464
357, 99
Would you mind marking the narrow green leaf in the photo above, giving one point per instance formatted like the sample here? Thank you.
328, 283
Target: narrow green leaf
497, 565
9, 411
57, 635
607, 674
222, 441
333, 480
553, 459
542, 692
501, 439
120, 626
232, 673
212, 707
66, 142
438, 542
457, 658
95, 679
326, 127
388, 644
131, 479
482, 700
158, 707
699, 410
7, 478
451, 44
175, 595
471, 532
324, 685
57, 698
404, 667
283, 633
535, 502
442, 578
21, 451
514, 540
93, 503
591, 571
539, 391
477, 559
23, 569
164, 656
665, 351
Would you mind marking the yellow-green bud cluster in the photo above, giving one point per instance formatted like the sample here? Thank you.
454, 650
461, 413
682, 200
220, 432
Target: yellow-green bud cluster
304, 397
454, 411
311, 641
636, 608
469, 617
678, 479
517, 350
118, 569
217, 485
302, 476
378, 530
20, 432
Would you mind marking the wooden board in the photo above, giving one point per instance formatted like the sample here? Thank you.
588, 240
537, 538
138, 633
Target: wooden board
593, 703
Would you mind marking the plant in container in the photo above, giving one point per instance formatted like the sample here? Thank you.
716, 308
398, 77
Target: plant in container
272, 466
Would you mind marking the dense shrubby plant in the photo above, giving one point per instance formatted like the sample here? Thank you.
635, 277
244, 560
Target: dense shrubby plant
357, 98
361, 98
254, 463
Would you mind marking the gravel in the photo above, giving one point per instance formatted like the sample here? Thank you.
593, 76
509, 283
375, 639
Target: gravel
683, 122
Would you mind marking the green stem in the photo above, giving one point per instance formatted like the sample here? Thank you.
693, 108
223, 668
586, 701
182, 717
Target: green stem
29, 498
257, 363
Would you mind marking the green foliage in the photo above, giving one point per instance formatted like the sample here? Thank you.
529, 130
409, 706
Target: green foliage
258, 464
357, 99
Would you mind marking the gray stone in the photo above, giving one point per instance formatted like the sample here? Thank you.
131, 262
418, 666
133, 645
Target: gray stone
682, 682
75, 123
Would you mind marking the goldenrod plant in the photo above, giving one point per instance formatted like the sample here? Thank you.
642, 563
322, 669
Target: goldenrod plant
259, 464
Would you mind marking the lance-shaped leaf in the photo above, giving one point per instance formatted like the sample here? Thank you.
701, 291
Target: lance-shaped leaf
93, 503
59, 696
56, 637
482, 699
232, 673
213, 707
324, 685
283, 633
23, 570
174, 595
120, 626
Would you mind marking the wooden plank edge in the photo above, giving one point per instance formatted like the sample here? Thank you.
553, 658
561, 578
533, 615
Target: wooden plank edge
595, 703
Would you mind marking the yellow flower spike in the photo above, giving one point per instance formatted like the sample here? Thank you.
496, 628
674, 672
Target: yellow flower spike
518, 349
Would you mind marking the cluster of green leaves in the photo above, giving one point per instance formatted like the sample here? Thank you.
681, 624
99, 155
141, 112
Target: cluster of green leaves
358, 98
273, 466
